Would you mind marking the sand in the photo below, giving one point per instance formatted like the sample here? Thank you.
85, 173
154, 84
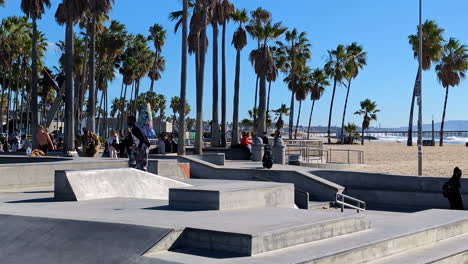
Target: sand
397, 158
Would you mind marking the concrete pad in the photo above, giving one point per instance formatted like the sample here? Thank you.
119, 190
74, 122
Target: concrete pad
110, 183
53, 241
233, 195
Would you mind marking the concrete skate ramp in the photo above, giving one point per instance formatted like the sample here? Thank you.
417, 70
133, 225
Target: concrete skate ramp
56, 241
112, 183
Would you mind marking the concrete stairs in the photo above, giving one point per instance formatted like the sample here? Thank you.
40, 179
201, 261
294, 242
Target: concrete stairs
452, 250
277, 229
433, 236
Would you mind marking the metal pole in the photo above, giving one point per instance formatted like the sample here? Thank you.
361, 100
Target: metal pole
419, 86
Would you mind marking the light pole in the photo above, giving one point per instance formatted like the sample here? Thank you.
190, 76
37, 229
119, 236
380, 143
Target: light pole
419, 93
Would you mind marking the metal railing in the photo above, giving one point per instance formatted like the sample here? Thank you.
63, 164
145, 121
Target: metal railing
321, 155
341, 198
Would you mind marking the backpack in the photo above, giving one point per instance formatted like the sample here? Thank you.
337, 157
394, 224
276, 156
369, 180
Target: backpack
447, 189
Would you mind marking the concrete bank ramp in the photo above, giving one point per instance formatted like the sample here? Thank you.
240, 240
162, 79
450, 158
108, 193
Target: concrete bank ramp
112, 183
56, 241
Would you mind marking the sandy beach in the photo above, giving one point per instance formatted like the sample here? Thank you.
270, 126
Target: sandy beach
397, 158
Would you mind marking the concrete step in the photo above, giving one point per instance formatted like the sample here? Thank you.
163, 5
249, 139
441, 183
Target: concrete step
270, 237
390, 236
233, 195
319, 205
452, 250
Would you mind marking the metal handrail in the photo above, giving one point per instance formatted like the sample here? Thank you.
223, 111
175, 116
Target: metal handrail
340, 199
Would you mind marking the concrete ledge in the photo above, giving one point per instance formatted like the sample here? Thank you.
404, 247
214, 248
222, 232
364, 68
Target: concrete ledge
319, 189
111, 183
233, 195
214, 158
41, 174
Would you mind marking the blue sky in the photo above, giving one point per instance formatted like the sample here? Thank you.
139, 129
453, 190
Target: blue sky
381, 27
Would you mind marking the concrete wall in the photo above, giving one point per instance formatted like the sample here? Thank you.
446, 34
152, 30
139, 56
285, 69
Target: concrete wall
29, 175
15, 159
319, 189
392, 191
169, 168
214, 158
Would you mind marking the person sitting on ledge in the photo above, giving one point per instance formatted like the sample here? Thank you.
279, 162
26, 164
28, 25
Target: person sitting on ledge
25, 144
245, 142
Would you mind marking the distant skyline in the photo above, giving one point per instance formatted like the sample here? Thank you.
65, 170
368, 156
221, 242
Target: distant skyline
382, 27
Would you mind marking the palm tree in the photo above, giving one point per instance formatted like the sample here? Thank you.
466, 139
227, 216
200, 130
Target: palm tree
369, 112
335, 68
259, 17
303, 87
319, 82
158, 36
214, 19
96, 8
198, 25
239, 41
432, 48
283, 110
450, 71
351, 131
183, 81
69, 12
297, 51
34, 10
263, 63
226, 9
356, 58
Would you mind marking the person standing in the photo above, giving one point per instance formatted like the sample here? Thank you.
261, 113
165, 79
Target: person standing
112, 143
139, 155
451, 190
43, 140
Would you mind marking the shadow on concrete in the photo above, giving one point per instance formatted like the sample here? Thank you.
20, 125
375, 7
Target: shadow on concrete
40, 192
168, 208
207, 253
37, 200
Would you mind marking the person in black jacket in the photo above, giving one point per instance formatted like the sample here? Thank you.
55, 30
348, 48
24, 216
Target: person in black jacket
139, 156
453, 193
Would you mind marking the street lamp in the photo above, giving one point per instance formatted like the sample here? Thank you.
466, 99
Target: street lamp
419, 93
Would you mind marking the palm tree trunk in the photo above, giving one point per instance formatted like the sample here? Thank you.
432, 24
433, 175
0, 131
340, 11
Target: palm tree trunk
123, 108
33, 101
261, 127
235, 114
2, 94
154, 67
106, 111
268, 100
223, 87
183, 83
441, 142
8, 109
119, 128
298, 117
92, 76
69, 95
362, 135
331, 111
310, 119
410, 123
215, 139
291, 115
131, 103
344, 111
255, 102
200, 76
98, 125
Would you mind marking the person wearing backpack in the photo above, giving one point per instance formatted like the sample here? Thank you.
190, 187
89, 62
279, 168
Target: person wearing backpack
451, 190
